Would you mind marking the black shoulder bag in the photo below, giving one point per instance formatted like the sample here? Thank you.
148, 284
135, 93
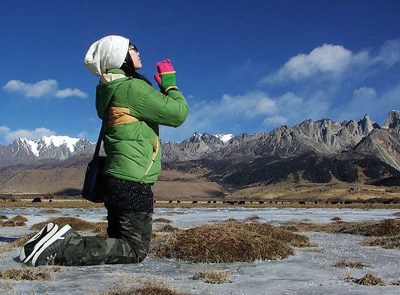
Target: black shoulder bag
94, 184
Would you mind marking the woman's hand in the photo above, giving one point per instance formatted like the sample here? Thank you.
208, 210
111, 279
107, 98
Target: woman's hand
165, 76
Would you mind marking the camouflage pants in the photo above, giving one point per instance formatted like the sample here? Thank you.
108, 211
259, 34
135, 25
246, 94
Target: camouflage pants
129, 235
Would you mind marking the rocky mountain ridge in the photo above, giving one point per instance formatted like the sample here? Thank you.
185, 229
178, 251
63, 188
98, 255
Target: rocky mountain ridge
22, 151
324, 137
319, 151
313, 151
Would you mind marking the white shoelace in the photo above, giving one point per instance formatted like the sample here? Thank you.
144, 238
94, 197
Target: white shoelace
50, 259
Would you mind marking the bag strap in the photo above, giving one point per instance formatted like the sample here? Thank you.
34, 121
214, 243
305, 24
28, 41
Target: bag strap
102, 130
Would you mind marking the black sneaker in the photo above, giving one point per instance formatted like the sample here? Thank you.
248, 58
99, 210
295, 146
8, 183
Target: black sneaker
34, 244
46, 254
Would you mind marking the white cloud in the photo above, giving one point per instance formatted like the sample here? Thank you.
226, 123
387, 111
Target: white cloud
389, 53
250, 105
4, 129
226, 115
275, 121
364, 101
44, 88
39, 89
392, 98
70, 92
365, 93
37, 133
83, 134
327, 59
252, 112
368, 100
292, 109
334, 61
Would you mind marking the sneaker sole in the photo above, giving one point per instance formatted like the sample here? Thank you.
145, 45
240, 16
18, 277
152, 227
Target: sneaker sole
51, 232
50, 241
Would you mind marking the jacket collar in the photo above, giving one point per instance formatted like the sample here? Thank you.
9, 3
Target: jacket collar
111, 75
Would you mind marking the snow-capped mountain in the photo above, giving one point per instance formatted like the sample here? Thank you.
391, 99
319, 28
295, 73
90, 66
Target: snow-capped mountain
323, 137
42, 146
225, 137
24, 151
314, 151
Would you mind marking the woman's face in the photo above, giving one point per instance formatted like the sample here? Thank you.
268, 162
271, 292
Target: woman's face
135, 55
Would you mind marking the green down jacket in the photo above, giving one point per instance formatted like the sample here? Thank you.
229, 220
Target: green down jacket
131, 138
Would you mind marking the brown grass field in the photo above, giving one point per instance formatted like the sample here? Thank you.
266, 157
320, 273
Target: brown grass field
200, 193
84, 204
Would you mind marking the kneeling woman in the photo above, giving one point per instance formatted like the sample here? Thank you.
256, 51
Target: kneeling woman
135, 109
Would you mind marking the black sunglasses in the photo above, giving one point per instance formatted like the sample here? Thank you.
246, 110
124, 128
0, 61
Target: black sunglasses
133, 47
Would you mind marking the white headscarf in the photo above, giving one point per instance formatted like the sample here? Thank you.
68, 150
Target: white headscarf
107, 53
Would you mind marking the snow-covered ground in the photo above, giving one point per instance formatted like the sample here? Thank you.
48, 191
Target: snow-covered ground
309, 271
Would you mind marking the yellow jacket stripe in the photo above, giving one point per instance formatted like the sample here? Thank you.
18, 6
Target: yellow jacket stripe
118, 115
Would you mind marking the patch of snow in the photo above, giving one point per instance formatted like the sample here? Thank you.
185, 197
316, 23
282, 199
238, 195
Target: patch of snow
58, 141
33, 146
224, 137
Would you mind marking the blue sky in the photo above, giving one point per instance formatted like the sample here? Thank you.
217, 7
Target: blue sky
244, 66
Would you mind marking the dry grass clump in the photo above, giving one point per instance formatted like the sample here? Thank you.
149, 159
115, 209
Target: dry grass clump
391, 242
100, 229
213, 276
348, 264
76, 223
253, 218
368, 280
397, 214
18, 243
17, 220
386, 227
230, 241
305, 226
29, 274
162, 220
385, 233
168, 228
50, 211
153, 290
336, 218
148, 287
313, 250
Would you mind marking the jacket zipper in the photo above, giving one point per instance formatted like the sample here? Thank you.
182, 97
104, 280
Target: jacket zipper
153, 157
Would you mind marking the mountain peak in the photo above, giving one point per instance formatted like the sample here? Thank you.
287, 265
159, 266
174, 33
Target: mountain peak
50, 141
58, 141
47, 147
367, 125
392, 120
196, 137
